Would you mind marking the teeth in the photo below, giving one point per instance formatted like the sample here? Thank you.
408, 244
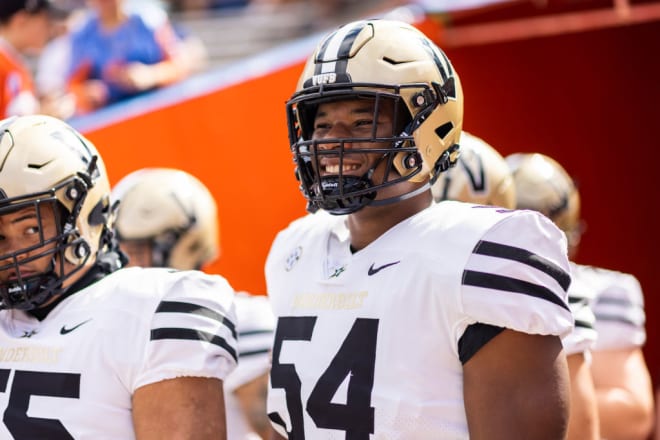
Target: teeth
334, 169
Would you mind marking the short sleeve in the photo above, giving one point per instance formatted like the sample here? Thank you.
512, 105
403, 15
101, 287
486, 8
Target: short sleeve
517, 277
192, 331
619, 310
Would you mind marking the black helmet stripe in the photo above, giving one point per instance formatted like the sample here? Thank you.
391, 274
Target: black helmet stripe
440, 60
334, 52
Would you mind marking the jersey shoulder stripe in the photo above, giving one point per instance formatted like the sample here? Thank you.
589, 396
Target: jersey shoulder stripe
184, 307
524, 256
508, 284
192, 335
244, 354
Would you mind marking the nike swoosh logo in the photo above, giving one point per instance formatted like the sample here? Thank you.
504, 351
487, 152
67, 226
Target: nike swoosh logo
64, 330
373, 271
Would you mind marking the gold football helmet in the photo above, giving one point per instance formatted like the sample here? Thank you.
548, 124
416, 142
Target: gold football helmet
377, 60
481, 176
543, 185
44, 162
173, 212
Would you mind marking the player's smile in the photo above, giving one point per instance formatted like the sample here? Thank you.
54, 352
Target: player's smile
332, 167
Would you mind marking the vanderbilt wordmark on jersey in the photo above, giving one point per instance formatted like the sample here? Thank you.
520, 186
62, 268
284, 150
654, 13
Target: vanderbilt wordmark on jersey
371, 351
73, 374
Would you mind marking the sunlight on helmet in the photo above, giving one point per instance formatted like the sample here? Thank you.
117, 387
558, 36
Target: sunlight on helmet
543, 185
172, 212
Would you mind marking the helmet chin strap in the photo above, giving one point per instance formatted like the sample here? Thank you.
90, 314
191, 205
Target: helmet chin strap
401, 197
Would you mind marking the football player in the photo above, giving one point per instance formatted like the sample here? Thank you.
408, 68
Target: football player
89, 349
168, 218
620, 375
398, 317
482, 176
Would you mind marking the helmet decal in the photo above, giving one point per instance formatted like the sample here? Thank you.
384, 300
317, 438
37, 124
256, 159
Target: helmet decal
332, 57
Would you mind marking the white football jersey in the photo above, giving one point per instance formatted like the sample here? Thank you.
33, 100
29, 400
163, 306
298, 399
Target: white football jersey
618, 305
366, 343
255, 326
581, 296
73, 374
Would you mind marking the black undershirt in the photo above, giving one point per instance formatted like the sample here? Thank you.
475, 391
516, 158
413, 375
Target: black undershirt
474, 338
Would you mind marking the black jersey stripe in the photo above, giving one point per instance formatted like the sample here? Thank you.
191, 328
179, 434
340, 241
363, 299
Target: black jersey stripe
583, 324
524, 256
244, 354
617, 318
603, 300
190, 334
508, 284
196, 309
255, 332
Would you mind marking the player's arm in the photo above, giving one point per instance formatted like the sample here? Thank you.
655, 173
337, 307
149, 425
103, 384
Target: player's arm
517, 386
181, 408
625, 399
252, 399
192, 347
583, 420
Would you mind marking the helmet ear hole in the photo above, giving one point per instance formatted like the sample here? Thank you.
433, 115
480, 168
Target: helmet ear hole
443, 130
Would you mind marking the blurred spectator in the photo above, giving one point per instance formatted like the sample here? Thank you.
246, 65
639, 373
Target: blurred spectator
25, 28
195, 5
121, 53
53, 63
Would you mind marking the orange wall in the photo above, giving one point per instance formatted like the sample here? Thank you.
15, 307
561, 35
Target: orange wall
235, 140
587, 99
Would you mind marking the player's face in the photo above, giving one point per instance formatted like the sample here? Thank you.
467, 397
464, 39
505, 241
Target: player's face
352, 118
139, 252
23, 234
